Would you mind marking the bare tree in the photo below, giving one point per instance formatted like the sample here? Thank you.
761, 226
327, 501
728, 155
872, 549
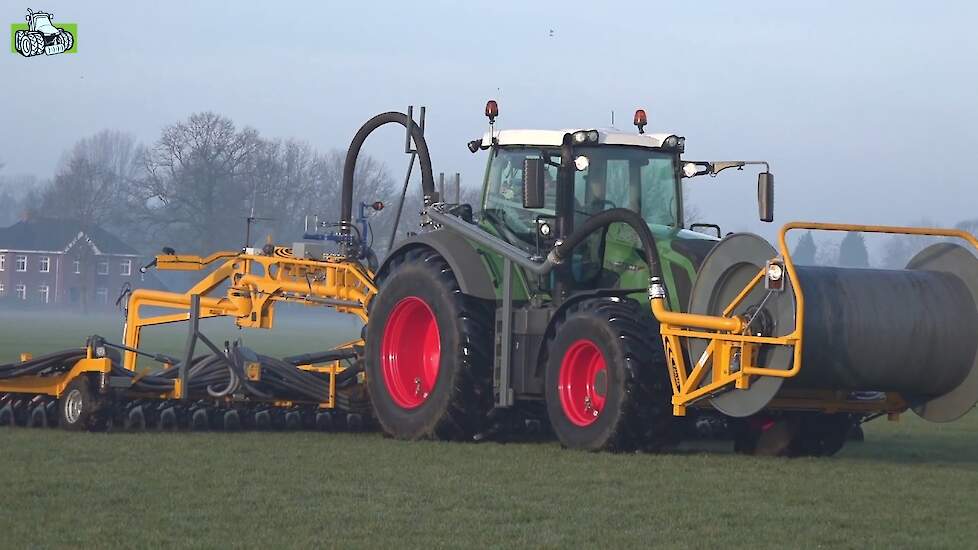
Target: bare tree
194, 189
18, 195
92, 183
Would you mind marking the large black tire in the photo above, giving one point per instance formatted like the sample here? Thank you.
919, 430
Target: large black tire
79, 408
453, 403
794, 434
636, 412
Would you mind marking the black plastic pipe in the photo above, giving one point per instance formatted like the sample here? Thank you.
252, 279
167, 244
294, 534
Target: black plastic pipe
349, 167
603, 219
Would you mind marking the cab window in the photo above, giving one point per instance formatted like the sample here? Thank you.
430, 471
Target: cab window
503, 205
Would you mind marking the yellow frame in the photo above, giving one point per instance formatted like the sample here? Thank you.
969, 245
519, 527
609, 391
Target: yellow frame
55, 385
255, 283
732, 353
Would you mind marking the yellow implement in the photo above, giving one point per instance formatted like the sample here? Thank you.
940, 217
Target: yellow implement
729, 360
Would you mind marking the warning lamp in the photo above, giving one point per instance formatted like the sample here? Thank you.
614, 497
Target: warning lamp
378, 206
492, 110
774, 275
640, 120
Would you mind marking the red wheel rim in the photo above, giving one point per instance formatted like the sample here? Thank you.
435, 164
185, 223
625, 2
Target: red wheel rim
410, 352
582, 382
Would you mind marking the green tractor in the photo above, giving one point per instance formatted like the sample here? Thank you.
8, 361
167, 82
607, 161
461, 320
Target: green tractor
537, 312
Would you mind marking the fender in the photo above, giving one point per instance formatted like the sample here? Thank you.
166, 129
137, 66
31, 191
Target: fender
468, 266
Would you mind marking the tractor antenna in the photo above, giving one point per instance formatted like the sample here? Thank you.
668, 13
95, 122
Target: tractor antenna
612, 118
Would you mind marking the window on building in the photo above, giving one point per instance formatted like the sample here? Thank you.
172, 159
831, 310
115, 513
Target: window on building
3, 262
21, 263
103, 268
44, 293
21, 291
77, 265
126, 268
102, 295
3, 291
45, 264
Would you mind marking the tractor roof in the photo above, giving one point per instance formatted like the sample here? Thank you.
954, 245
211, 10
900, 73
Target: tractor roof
610, 136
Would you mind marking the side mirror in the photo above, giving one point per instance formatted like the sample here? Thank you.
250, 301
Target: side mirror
533, 191
765, 196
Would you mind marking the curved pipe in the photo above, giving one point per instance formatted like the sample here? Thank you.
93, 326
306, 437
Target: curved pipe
349, 167
604, 219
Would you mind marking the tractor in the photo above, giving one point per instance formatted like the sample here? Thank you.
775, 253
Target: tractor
580, 300
42, 36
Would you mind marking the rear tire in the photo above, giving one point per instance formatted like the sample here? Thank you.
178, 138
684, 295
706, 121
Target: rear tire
428, 352
607, 385
794, 434
79, 407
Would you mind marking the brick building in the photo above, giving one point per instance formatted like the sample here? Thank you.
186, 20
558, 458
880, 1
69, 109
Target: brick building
50, 263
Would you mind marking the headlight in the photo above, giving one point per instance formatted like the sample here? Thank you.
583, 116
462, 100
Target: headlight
670, 142
775, 272
584, 136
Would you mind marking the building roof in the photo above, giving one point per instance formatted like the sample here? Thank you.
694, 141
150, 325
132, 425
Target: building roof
53, 235
610, 136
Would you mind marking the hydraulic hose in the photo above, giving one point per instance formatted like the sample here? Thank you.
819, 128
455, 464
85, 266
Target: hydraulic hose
565, 247
349, 168
657, 287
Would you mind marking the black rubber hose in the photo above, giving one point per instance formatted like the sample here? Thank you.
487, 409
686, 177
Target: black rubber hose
604, 219
349, 168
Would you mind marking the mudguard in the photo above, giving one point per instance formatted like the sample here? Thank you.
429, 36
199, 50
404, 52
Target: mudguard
467, 264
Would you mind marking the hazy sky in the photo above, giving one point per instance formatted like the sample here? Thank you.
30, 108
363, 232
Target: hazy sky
867, 111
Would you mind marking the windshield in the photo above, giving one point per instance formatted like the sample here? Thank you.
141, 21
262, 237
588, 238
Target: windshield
638, 178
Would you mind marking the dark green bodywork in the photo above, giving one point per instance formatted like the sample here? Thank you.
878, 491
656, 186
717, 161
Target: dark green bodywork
680, 253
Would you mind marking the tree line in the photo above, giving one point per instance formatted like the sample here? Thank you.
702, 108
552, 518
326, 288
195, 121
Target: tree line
851, 251
198, 183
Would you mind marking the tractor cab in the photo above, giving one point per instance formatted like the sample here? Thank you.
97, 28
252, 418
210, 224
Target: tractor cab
541, 184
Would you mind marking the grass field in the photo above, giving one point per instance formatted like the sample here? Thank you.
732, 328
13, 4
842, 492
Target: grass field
910, 484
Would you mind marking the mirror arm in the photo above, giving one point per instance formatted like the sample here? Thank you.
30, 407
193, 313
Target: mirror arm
720, 165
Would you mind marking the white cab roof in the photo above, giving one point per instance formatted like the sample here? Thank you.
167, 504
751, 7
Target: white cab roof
610, 136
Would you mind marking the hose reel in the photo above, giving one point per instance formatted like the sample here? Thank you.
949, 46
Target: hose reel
912, 331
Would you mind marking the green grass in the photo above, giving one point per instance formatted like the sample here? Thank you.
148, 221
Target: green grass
911, 484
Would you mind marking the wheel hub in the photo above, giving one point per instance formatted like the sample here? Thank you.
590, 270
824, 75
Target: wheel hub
582, 382
410, 352
73, 406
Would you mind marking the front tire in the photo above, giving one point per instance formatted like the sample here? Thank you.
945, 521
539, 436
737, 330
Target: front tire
80, 409
607, 385
428, 352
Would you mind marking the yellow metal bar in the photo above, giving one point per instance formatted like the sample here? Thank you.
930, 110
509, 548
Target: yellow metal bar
55, 385
710, 322
743, 293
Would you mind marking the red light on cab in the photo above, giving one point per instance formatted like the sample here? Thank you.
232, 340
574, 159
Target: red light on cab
640, 120
492, 110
